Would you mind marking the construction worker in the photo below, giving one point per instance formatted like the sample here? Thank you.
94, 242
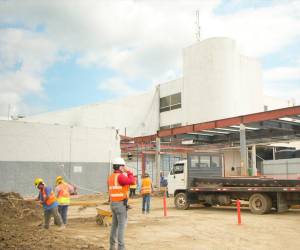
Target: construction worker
146, 190
133, 187
49, 202
118, 185
63, 191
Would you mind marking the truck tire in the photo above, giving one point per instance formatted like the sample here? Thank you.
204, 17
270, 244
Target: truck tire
260, 203
181, 201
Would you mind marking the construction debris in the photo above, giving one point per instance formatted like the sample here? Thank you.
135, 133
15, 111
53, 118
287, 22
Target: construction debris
21, 227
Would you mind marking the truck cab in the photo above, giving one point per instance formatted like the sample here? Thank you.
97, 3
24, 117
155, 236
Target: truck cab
177, 178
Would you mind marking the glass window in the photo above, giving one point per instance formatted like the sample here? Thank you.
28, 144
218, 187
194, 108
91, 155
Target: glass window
165, 109
178, 168
176, 99
195, 161
215, 161
177, 106
204, 161
176, 125
170, 102
165, 127
165, 101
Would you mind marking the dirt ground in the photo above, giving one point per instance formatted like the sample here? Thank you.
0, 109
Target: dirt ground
198, 228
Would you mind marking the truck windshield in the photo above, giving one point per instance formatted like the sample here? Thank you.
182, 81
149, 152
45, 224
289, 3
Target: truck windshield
177, 168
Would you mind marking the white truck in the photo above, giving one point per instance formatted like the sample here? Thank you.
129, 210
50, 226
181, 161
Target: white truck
200, 179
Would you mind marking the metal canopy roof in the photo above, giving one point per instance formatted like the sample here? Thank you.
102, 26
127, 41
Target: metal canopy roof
275, 125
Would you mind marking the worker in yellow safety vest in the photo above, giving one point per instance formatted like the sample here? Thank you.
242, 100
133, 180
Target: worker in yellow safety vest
118, 185
146, 190
49, 202
63, 191
132, 188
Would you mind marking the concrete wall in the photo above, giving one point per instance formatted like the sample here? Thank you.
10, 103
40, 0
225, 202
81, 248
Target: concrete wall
31, 150
138, 114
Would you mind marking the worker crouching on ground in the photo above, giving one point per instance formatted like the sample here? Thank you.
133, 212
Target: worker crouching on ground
63, 191
146, 190
133, 187
49, 202
118, 184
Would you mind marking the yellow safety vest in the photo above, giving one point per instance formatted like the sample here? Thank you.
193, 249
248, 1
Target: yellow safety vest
146, 185
63, 196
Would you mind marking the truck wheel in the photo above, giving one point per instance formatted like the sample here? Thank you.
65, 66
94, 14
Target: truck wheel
260, 203
181, 201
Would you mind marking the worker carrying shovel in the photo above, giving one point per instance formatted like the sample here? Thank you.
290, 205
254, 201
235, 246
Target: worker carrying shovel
118, 185
49, 202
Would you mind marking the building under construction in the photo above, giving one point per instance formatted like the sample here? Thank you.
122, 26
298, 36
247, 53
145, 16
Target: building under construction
203, 110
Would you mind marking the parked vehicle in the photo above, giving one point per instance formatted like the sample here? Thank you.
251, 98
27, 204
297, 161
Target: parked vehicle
200, 179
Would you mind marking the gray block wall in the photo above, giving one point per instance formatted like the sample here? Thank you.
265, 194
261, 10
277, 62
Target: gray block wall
19, 176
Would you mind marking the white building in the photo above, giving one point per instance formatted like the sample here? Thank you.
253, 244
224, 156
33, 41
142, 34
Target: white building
79, 143
30, 150
217, 82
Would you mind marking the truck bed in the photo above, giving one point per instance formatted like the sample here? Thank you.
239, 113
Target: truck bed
242, 182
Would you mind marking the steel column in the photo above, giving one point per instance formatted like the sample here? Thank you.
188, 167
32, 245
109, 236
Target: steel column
243, 151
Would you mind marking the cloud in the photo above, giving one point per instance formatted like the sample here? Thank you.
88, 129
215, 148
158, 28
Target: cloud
283, 82
282, 74
24, 56
135, 39
117, 87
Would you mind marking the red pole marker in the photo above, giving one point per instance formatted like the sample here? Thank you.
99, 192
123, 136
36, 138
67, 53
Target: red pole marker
238, 206
165, 204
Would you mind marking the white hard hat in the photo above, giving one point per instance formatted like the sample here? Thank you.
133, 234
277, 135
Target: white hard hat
119, 161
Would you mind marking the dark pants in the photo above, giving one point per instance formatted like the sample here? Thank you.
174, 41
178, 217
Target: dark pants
119, 219
132, 192
48, 214
63, 211
146, 203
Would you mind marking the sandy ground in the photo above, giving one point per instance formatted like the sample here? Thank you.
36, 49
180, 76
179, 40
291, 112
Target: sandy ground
197, 228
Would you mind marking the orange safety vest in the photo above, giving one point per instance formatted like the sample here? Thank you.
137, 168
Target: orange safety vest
116, 191
51, 198
63, 196
146, 186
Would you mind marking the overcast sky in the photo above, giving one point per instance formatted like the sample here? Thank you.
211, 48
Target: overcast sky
63, 53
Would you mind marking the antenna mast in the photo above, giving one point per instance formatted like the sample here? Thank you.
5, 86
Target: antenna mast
198, 28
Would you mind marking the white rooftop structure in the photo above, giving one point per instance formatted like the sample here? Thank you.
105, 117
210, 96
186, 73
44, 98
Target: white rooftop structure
217, 82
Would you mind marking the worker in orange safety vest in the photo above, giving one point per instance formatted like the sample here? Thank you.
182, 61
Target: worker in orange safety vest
118, 186
146, 190
63, 191
49, 202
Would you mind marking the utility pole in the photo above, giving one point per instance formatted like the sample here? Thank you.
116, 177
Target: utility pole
198, 28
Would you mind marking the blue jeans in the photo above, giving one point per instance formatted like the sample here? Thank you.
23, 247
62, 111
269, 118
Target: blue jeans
63, 211
119, 219
146, 203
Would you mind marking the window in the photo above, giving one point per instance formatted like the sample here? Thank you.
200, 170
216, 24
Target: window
170, 102
195, 161
178, 168
204, 161
176, 125
215, 161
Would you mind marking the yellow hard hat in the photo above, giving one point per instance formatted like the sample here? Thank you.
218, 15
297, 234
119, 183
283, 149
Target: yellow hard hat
37, 181
59, 178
